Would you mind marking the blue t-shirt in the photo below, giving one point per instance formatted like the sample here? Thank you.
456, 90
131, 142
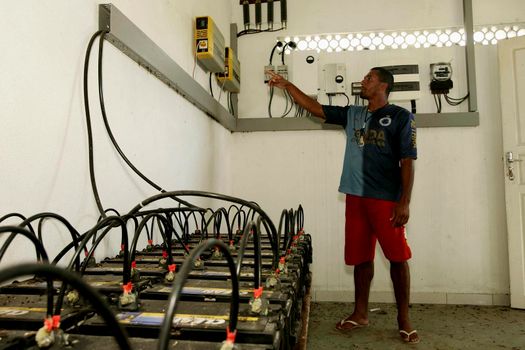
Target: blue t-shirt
375, 144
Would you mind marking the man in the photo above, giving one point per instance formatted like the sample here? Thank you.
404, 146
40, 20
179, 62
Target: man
377, 178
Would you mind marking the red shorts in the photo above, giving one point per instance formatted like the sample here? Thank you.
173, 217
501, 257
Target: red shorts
368, 220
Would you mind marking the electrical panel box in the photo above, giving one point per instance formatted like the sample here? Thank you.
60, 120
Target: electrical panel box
282, 70
230, 79
406, 82
334, 78
209, 45
305, 71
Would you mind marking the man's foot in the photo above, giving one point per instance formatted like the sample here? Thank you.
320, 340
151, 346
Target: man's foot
409, 337
348, 324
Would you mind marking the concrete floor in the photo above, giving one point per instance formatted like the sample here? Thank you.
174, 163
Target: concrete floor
440, 327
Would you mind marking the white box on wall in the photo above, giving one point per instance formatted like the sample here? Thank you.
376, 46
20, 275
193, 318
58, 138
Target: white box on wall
305, 66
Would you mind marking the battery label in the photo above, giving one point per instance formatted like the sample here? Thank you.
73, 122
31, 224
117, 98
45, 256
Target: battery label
206, 291
156, 319
18, 311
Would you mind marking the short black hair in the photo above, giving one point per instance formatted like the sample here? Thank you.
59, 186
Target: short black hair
385, 77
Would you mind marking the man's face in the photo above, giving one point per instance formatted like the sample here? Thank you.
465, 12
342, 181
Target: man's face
370, 85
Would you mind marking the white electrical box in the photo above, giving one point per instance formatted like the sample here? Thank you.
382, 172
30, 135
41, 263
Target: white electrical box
304, 69
334, 78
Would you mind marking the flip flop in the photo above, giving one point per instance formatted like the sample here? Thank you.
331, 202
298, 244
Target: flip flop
406, 336
341, 325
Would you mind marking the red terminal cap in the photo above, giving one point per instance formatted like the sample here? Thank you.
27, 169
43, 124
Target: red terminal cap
257, 292
230, 336
172, 267
122, 247
127, 287
277, 271
187, 246
288, 251
133, 264
164, 254
281, 260
56, 321
150, 241
231, 242
86, 253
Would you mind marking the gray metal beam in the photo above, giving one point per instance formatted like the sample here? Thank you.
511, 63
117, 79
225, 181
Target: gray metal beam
470, 56
128, 38
423, 120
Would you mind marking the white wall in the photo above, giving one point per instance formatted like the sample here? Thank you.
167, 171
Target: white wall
457, 229
43, 147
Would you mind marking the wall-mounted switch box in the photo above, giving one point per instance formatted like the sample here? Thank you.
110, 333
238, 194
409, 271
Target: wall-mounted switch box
334, 78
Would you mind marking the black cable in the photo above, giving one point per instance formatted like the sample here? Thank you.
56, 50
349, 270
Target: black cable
277, 44
40, 252
270, 102
211, 87
180, 279
270, 227
347, 99
292, 44
283, 226
53, 272
88, 124
110, 222
255, 31
253, 230
106, 123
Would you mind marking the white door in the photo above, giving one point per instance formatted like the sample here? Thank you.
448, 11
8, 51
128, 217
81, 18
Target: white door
512, 82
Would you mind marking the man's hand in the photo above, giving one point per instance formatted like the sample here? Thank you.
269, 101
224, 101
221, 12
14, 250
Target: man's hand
400, 214
277, 80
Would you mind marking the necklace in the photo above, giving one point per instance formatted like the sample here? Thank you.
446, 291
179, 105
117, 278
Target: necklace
359, 133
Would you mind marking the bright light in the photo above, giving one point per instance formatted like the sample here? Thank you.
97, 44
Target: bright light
394, 46
359, 35
432, 38
338, 49
494, 41
455, 37
421, 39
302, 45
512, 33
344, 43
489, 36
287, 39
328, 37
308, 38
388, 40
404, 46
410, 39
478, 37
317, 38
399, 40
443, 38
296, 38
417, 45
366, 41
329, 49
338, 37
520, 32
323, 44
312, 45
500, 34
354, 42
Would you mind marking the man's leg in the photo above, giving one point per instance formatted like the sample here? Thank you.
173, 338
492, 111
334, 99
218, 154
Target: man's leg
363, 274
400, 274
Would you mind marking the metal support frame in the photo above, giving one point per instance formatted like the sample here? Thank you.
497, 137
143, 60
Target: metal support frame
468, 20
128, 38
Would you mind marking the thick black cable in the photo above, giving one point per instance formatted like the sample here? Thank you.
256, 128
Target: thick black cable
211, 87
180, 280
112, 222
53, 272
108, 128
270, 102
270, 227
254, 230
40, 252
88, 124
